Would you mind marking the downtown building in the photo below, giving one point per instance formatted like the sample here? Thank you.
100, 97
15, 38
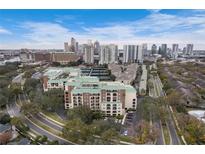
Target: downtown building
97, 52
189, 49
88, 52
164, 50
175, 51
108, 54
133, 53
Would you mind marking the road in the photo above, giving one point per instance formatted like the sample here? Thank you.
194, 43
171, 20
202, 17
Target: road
14, 110
174, 138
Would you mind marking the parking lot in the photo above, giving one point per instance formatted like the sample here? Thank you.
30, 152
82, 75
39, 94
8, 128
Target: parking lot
128, 124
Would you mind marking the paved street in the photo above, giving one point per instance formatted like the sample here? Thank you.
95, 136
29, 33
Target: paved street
174, 139
14, 110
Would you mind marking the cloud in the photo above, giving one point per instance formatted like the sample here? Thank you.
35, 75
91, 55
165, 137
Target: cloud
63, 18
157, 27
45, 34
5, 31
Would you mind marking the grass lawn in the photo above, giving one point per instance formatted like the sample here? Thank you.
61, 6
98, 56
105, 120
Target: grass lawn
54, 116
166, 135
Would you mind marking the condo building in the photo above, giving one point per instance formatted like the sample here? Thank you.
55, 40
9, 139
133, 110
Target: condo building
189, 49
55, 78
175, 51
88, 51
134, 53
108, 54
112, 98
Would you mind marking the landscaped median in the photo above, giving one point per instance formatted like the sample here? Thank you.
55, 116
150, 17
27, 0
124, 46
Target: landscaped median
53, 117
166, 134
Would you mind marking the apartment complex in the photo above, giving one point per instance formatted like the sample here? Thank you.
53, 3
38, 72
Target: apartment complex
133, 53
55, 78
108, 54
112, 98
88, 51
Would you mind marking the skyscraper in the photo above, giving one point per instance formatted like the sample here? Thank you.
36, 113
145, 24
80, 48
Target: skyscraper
164, 49
145, 51
130, 53
154, 49
66, 47
189, 49
108, 54
175, 50
96, 48
88, 51
73, 45
96, 52
140, 53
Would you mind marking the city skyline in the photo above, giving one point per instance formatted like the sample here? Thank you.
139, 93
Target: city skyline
47, 29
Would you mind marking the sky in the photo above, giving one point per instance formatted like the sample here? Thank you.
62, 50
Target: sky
49, 29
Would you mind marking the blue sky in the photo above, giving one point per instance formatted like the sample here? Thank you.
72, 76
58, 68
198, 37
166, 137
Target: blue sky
50, 28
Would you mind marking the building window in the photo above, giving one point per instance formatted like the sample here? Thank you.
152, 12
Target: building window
108, 106
114, 99
108, 99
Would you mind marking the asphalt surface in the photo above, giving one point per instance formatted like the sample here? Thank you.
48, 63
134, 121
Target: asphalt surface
14, 110
171, 126
48, 122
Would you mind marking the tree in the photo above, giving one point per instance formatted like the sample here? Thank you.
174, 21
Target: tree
84, 113
20, 125
145, 133
55, 142
3, 101
30, 85
192, 128
173, 98
52, 100
30, 109
15, 90
76, 131
28, 74
4, 119
100, 126
110, 135
16, 121
112, 77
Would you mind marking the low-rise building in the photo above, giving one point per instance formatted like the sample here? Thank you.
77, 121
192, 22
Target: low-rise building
55, 78
26, 56
64, 57
5, 133
112, 98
